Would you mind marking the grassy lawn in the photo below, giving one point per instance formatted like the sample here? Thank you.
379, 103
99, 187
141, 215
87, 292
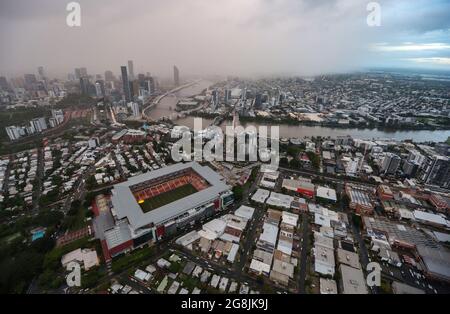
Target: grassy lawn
167, 197
134, 258
10, 238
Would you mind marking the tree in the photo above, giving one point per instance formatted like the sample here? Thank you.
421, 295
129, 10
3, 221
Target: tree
238, 192
294, 151
315, 159
284, 161
295, 163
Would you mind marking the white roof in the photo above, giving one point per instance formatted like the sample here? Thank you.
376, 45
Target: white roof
348, 258
432, 218
326, 193
285, 246
283, 268
320, 239
269, 233
267, 184
141, 275
232, 254
75, 255
405, 213
322, 220
324, 260
259, 267
173, 288
280, 200
188, 238
86, 256
260, 195
215, 280
228, 237
328, 286
289, 218
353, 281
442, 237
150, 269
245, 212
214, 228
235, 222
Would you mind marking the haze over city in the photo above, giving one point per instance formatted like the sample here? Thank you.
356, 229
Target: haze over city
254, 37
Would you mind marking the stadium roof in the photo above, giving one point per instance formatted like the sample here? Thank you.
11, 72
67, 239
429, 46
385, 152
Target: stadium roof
125, 204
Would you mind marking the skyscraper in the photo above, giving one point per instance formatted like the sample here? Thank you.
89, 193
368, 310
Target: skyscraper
227, 95
41, 72
135, 109
38, 124
30, 79
391, 162
83, 72
176, 76
100, 88
439, 172
77, 73
126, 84
13, 132
109, 76
84, 85
148, 84
130, 70
214, 99
4, 83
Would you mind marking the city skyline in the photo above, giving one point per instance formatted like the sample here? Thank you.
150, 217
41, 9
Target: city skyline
243, 38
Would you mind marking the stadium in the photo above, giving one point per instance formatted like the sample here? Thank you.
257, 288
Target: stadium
153, 205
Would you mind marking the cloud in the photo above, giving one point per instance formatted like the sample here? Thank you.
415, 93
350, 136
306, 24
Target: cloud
243, 37
411, 47
435, 61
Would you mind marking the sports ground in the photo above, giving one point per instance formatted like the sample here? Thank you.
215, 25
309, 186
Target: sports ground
167, 197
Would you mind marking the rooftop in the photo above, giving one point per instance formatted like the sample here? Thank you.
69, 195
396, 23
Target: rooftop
353, 281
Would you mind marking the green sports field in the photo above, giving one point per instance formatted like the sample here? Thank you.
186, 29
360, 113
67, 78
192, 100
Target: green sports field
167, 197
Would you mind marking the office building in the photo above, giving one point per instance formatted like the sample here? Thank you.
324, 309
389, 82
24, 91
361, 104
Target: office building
390, 164
227, 95
410, 168
100, 88
135, 109
439, 172
176, 76
38, 124
83, 72
214, 99
126, 84
109, 76
84, 85
13, 132
4, 83
130, 70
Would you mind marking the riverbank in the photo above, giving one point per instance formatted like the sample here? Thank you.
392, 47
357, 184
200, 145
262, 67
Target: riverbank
360, 126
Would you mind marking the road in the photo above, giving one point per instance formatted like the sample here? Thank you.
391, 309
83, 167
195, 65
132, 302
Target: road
37, 190
304, 253
329, 177
254, 223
